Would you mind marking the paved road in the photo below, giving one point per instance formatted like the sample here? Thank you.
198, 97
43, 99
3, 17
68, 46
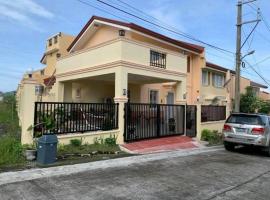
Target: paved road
213, 175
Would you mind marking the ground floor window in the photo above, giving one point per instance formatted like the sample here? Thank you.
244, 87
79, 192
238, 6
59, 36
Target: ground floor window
153, 97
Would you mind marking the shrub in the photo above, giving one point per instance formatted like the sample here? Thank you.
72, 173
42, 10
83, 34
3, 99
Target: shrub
111, 141
213, 137
11, 151
76, 142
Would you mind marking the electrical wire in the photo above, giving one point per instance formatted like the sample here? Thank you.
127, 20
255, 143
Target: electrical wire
176, 32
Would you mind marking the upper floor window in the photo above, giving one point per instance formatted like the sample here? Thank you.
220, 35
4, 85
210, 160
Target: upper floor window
42, 72
50, 42
55, 38
218, 80
205, 78
157, 59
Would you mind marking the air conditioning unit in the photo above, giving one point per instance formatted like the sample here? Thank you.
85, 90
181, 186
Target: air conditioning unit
39, 90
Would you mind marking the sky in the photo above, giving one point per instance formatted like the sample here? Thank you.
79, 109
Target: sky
25, 25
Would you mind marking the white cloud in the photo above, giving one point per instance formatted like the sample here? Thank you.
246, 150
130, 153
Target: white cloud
24, 11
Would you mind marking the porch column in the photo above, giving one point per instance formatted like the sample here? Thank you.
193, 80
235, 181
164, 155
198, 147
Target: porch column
121, 87
180, 92
59, 92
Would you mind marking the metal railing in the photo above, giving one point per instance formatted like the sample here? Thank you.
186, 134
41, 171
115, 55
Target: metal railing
62, 118
213, 113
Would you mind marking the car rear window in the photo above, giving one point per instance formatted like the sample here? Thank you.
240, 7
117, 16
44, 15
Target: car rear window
246, 119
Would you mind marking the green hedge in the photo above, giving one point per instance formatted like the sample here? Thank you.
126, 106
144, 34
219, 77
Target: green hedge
213, 137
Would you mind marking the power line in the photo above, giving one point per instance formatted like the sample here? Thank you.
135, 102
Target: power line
176, 32
257, 73
100, 9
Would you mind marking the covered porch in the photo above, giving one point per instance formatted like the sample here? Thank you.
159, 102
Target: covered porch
107, 98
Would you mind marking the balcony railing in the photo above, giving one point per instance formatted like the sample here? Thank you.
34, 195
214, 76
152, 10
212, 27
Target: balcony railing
62, 118
157, 59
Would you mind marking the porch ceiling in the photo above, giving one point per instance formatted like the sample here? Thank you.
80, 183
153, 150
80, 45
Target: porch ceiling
139, 79
132, 78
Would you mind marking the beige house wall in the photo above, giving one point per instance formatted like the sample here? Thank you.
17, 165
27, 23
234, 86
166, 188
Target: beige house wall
209, 92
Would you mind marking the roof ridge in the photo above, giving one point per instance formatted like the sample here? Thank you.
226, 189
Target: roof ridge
182, 44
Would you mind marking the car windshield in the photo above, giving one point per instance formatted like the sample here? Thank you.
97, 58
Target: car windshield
245, 119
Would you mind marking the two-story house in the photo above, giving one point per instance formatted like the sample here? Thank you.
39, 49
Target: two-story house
112, 61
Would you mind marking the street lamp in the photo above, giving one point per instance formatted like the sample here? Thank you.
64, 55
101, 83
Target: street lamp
249, 53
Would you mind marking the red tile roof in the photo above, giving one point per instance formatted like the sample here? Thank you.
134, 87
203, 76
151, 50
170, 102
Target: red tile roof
189, 46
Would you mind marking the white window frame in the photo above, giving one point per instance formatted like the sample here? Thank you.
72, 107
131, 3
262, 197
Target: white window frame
207, 78
218, 80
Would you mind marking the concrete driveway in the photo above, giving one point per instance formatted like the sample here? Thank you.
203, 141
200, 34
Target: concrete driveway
206, 175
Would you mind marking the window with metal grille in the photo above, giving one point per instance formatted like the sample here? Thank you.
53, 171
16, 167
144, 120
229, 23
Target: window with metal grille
157, 59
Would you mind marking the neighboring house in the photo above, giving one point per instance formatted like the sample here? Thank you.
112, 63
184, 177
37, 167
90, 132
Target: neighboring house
56, 47
264, 95
244, 83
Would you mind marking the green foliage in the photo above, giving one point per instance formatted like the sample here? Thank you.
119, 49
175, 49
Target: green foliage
9, 123
76, 142
264, 107
213, 137
249, 101
109, 141
11, 151
86, 149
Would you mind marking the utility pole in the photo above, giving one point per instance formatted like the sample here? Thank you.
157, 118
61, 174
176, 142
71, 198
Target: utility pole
239, 45
238, 57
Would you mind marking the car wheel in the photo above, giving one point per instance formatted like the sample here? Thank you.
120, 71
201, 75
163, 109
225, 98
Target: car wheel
268, 151
229, 146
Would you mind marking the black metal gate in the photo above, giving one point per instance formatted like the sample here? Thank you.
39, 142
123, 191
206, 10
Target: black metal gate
143, 121
191, 117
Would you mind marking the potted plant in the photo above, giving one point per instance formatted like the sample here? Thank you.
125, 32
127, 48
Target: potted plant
45, 142
30, 152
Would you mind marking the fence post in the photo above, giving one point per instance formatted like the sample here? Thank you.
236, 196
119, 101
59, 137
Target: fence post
198, 121
158, 120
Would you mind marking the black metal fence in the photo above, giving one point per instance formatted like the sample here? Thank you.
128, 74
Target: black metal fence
213, 113
61, 118
191, 120
144, 121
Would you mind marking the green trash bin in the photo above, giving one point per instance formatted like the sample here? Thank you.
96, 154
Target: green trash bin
47, 149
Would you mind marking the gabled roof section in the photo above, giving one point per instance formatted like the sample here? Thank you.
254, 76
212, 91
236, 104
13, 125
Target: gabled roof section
135, 27
218, 67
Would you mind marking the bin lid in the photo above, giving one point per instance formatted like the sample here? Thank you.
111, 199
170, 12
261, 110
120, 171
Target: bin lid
48, 139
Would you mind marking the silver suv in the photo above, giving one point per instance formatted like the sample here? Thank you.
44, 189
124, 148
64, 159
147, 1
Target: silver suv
247, 129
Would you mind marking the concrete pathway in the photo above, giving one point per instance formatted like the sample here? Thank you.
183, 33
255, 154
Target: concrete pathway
198, 174
161, 145
12, 177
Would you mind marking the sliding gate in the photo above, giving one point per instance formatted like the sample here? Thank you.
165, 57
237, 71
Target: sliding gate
143, 121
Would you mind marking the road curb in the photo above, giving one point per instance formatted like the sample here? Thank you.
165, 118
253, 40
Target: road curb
31, 174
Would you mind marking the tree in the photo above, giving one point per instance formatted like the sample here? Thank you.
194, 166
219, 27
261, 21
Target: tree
264, 107
249, 102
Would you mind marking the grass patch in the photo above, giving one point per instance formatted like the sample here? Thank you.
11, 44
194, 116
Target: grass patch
212, 137
87, 149
11, 152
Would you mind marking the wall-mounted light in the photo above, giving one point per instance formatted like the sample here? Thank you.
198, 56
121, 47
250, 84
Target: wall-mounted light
122, 32
185, 96
124, 92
